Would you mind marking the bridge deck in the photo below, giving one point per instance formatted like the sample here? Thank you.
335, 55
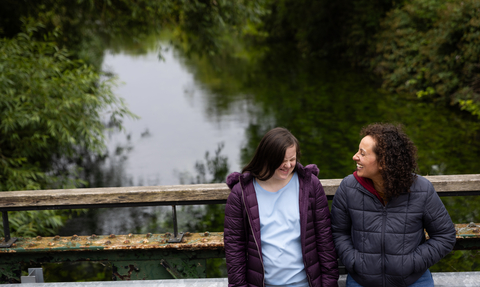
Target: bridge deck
441, 279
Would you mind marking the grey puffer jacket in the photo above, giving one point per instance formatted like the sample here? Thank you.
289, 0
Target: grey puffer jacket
385, 245
243, 250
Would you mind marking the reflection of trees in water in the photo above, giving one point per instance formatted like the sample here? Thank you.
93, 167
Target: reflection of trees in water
212, 170
325, 106
108, 170
210, 217
200, 218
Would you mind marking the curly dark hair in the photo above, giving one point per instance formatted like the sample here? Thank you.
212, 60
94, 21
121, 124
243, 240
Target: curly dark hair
396, 154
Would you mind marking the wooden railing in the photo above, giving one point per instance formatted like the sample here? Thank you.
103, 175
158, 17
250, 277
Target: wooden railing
445, 185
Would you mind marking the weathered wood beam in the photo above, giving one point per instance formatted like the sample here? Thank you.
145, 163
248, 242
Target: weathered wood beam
181, 194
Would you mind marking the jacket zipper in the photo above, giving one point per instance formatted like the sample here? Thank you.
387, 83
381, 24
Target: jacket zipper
253, 234
384, 218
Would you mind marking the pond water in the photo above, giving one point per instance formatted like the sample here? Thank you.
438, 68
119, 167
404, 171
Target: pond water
188, 106
175, 129
191, 106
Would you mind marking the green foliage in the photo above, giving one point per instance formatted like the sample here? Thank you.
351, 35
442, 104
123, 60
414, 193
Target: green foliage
203, 25
53, 104
325, 105
459, 261
426, 48
34, 223
52, 109
322, 28
432, 49
90, 26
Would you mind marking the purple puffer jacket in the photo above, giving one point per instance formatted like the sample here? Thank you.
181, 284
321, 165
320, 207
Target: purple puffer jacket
242, 232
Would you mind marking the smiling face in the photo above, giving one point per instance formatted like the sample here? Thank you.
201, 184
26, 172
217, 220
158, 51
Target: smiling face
284, 171
366, 159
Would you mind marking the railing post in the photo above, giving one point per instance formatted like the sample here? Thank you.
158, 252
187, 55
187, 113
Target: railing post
175, 225
7, 242
6, 227
177, 237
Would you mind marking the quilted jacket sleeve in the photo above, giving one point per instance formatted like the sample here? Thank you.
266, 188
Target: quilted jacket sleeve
440, 229
341, 228
323, 230
235, 239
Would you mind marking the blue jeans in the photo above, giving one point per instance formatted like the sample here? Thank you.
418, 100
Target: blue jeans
425, 281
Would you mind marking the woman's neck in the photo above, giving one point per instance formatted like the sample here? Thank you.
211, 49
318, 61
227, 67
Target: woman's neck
274, 185
378, 185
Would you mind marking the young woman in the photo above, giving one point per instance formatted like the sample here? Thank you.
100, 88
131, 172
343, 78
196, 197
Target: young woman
379, 214
277, 221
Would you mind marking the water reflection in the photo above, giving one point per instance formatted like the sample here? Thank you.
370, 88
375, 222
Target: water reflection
325, 105
235, 101
190, 106
155, 219
171, 106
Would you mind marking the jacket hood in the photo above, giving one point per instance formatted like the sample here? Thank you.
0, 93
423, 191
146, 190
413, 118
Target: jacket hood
234, 177
309, 169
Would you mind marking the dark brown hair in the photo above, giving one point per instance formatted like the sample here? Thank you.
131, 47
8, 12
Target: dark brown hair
270, 153
396, 155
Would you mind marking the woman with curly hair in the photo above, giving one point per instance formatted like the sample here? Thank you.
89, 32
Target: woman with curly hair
379, 214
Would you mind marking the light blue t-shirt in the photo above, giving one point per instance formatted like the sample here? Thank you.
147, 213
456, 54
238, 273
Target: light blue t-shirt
280, 235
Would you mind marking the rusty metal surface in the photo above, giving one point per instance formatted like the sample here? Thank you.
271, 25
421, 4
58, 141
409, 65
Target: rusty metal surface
471, 230
191, 241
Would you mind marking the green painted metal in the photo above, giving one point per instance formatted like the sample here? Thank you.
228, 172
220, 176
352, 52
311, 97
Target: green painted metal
139, 270
126, 264
182, 268
132, 257
467, 244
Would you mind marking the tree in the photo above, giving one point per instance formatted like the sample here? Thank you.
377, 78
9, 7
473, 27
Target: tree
89, 26
426, 48
52, 108
432, 49
54, 101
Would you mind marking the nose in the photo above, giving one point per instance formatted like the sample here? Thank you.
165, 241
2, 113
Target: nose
288, 164
355, 157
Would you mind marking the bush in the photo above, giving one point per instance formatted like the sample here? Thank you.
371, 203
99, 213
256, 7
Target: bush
52, 109
432, 49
